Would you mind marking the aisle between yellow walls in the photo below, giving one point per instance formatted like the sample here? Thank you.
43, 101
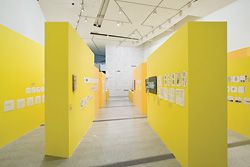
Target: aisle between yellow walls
22, 85
139, 94
70, 89
239, 91
189, 111
102, 92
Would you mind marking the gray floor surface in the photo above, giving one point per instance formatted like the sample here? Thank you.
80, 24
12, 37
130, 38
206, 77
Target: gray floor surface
120, 137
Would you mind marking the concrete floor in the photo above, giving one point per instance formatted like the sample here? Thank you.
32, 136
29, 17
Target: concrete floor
120, 136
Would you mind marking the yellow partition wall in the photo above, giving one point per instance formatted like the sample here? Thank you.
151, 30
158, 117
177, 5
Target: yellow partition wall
195, 128
238, 91
140, 98
22, 85
131, 96
69, 81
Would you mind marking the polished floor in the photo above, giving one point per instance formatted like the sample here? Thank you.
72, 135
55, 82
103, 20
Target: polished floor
119, 137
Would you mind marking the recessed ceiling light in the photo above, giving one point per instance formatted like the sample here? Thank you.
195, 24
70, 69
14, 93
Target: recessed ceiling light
86, 20
73, 3
118, 24
120, 11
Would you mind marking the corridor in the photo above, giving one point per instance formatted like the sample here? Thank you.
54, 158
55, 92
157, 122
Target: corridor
120, 136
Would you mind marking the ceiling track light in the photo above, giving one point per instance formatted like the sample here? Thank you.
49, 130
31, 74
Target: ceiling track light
154, 11
80, 15
114, 36
180, 13
120, 11
101, 13
86, 20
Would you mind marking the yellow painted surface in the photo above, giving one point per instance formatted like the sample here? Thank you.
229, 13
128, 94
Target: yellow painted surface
195, 133
66, 121
130, 96
140, 98
21, 66
107, 95
239, 114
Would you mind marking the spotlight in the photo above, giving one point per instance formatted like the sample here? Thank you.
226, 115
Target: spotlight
86, 20
180, 13
120, 11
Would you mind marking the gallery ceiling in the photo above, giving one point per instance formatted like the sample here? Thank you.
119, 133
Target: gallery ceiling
125, 22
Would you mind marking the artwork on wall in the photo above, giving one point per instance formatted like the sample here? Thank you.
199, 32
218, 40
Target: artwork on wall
147, 86
237, 89
74, 84
152, 84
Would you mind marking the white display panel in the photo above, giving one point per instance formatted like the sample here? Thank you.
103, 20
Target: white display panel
20, 103
9, 105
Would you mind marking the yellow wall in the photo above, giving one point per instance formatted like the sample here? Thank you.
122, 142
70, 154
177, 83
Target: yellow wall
140, 98
196, 133
131, 96
239, 114
22, 68
66, 120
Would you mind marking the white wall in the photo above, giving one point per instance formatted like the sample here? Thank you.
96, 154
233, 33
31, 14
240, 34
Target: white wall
24, 17
237, 15
121, 59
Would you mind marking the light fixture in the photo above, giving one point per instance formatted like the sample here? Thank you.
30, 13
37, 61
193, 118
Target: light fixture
118, 24
189, 4
180, 13
86, 20
154, 11
120, 11
101, 13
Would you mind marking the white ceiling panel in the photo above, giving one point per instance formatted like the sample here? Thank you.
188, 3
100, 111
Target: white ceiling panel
146, 2
137, 18
160, 16
114, 14
174, 4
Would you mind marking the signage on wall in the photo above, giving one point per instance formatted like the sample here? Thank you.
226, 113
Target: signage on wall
237, 89
89, 80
